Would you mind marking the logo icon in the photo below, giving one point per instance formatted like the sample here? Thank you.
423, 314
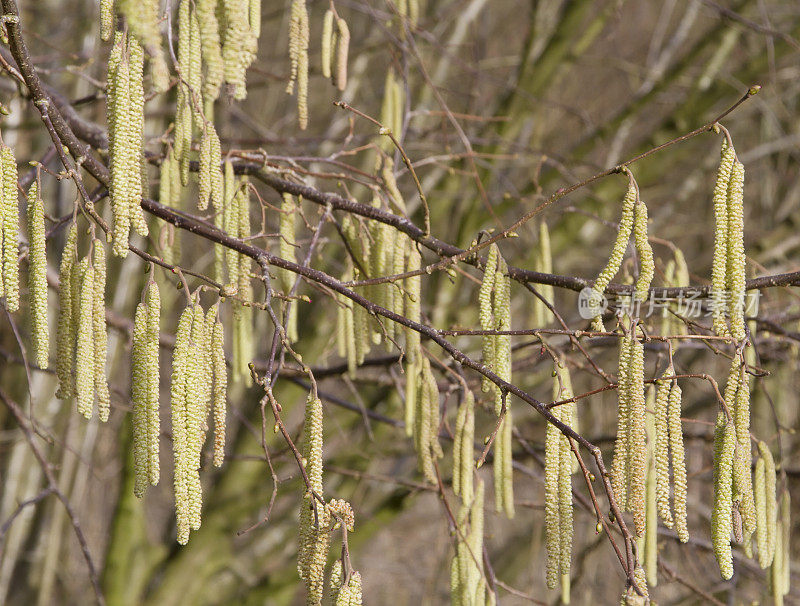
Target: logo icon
591, 303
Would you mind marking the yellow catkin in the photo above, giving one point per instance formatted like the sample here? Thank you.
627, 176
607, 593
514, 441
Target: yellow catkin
37, 277
645, 252
719, 269
743, 486
211, 51
770, 503
139, 400
286, 249
84, 350
181, 372
65, 335
120, 130
298, 55
721, 525
485, 314
637, 438
412, 370
742, 410
197, 391
760, 498
543, 263
426, 421
661, 446
327, 43
552, 510
413, 288
619, 465
503, 468
220, 392
106, 19
649, 542
99, 333
502, 316
678, 463
342, 49
153, 302
621, 242
231, 221
463, 464
136, 138
10, 229
239, 45
736, 261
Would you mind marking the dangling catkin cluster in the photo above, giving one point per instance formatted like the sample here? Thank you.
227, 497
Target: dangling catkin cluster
620, 244
544, 264
314, 530
558, 487
630, 451
145, 390
125, 115
298, 55
37, 277
210, 181
668, 440
242, 26
66, 328
467, 580
9, 229
728, 269
193, 394
142, 18
494, 299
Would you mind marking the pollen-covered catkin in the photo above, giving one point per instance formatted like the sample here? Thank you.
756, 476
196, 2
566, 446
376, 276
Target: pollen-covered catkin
463, 466
619, 465
486, 313
210, 44
66, 330
645, 252
106, 19
637, 438
678, 463
139, 400
136, 173
342, 50
239, 45
99, 333
37, 277
621, 242
770, 504
503, 467
84, 349
153, 303
220, 391
724, 445
10, 229
181, 376
502, 315
298, 55
661, 446
719, 269
120, 130
736, 262
413, 288
743, 486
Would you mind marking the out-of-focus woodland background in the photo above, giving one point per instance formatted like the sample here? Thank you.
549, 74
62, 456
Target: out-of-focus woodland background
506, 103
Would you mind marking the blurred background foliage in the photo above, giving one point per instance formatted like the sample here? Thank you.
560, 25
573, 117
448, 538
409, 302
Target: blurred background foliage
506, 102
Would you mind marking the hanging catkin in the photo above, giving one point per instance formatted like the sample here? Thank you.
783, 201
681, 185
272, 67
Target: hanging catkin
136, 142
286, 249
467, 584
106, 19
298, 56
619, 465
181, 376
661, 446
486, 313
66, 329
342, 49
649, 542
10, 229
327, 43
558, 487
543, 263
239, 45
644, 251
413, 289
621, 242
736, 278
503, 467
139, 400
37, 277
463, 463
153, 303
766, 506
211, 51
220, 391
99, 334
721, 527
719, 270
426, 421
84, 349
678, 463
